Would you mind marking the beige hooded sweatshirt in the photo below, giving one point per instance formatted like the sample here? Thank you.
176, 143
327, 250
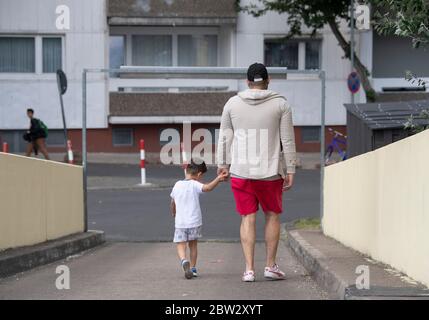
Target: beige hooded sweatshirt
256, 138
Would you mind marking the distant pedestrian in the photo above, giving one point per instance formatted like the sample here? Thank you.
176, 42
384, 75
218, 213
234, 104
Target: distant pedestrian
36, 136
185, 207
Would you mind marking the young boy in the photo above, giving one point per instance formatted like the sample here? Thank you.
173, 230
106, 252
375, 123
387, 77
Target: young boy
185, 207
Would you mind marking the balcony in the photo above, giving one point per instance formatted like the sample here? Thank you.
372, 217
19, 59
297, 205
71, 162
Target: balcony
141, 108
151, 95
171, 12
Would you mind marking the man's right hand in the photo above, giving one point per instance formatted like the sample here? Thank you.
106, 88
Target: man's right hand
288, 182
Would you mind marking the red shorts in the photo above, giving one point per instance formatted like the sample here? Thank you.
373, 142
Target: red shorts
249, 194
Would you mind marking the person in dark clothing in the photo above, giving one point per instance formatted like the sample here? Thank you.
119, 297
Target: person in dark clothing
35, 136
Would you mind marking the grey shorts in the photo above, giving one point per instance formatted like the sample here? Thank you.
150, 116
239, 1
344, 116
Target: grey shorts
187, 234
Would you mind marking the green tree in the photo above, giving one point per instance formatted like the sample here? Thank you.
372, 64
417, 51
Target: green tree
413, 127
405, 18
314, 14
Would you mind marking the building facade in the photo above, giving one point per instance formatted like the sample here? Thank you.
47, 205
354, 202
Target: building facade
35, 41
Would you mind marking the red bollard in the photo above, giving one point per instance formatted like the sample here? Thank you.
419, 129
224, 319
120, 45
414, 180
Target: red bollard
70, 152
142, 162
5, 147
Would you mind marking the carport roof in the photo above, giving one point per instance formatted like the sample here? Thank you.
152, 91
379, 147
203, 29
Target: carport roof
389, 114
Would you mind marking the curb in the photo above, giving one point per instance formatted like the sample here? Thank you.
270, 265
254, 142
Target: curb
312, 260
14, 261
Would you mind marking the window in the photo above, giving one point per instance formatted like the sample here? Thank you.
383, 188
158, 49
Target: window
293, 54
175, 49
116, 51
52, 55
312, 54
281, 53
310, 134
152, 50
56, 138
393, 54
123, 137
17, 54
197, 50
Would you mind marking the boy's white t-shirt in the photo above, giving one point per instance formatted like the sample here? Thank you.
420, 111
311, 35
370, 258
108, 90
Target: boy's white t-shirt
186, 195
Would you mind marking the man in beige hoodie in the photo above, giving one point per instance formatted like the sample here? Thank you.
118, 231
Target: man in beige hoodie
257, 147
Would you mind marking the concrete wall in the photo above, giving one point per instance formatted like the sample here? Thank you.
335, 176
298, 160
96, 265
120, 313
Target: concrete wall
40, 200
378, 204
85, 45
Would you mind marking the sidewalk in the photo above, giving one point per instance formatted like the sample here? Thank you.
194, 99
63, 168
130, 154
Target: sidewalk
333, 266
151, 271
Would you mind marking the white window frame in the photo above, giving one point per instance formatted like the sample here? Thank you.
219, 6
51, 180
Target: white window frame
38, 52
301, 48
128, 32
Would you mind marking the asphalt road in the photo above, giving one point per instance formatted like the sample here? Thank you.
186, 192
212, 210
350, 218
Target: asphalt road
143, 214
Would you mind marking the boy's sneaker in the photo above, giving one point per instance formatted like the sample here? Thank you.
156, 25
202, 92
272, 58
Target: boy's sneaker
186, 266
248, 276
194, 272
274, 273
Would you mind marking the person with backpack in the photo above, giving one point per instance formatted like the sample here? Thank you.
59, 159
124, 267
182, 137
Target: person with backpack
36, 136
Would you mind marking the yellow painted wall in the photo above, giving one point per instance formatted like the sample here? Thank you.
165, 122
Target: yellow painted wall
39, 200
378, 204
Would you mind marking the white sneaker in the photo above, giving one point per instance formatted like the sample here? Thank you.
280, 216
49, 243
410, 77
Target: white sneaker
186, 266
274, 273
248, 276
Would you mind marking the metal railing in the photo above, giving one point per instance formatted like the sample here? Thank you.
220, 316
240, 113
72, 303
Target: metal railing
202, 73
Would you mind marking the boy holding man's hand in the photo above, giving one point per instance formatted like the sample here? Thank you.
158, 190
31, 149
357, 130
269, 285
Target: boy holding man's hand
185, 207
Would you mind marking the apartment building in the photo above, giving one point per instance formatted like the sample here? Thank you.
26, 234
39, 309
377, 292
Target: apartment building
124, 108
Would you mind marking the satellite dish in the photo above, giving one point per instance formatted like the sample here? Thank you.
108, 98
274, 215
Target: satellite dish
62, 81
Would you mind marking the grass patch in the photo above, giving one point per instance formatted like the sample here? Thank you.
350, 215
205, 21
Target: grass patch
308, 223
